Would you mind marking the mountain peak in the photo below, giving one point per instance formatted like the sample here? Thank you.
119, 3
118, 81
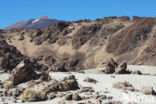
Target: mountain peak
41, 22
44, 17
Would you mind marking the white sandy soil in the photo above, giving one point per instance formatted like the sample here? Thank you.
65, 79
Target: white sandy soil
105, 83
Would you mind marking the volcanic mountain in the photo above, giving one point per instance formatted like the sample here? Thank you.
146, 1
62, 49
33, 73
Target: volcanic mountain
41, 22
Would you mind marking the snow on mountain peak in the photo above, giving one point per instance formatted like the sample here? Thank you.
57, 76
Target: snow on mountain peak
44, 17
41, 18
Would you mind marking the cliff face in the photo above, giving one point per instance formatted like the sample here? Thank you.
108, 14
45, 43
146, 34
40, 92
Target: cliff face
90, 43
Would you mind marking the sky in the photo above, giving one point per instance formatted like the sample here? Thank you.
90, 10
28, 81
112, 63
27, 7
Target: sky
12, 11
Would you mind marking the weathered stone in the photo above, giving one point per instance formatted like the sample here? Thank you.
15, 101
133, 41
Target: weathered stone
124, 85
137, 72
23, 72
64, 85
121, 69
76, 97
44, 76
91, 80
110, 66
58, 68
69, 97
148, 90
21, 37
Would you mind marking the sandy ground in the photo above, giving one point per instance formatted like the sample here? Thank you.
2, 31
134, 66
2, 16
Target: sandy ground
105, 83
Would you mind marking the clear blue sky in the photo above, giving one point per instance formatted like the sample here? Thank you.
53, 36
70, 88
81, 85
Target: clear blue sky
12, 11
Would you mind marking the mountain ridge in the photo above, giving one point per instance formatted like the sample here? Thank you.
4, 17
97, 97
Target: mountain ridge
41, 22
89, 44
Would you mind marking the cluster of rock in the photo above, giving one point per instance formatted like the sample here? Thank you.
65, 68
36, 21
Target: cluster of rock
63, 64
124, 85
113, 67
69, 83
147, 90
75, 97
10, 57
51, 86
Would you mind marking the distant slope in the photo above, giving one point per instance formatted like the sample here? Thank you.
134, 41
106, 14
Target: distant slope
41, 22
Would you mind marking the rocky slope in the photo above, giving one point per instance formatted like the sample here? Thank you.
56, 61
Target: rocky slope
41, 22
88, 44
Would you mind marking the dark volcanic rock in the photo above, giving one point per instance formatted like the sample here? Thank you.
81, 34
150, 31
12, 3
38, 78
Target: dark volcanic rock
10, 57
44, 76
60, 67
64, 85
23, 72
76, 97
121, 69
110, 66
21, 37
68, 97
127, 39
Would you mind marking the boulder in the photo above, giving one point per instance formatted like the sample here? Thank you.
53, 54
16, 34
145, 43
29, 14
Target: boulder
69, 97
148, 90
49, 60
121, 69
21, 37
110, 68
91, 80
23, 72
113, 67
44, 76
65, 85
124, 85
138, 72
71, 64
60, 67
76, 97
113, 62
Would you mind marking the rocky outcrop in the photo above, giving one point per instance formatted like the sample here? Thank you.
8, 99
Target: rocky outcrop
23, 72
49, 60
67, 84
10, 57
127, 40
113, 67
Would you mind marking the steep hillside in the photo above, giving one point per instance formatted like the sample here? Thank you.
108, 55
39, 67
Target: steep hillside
89, 44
